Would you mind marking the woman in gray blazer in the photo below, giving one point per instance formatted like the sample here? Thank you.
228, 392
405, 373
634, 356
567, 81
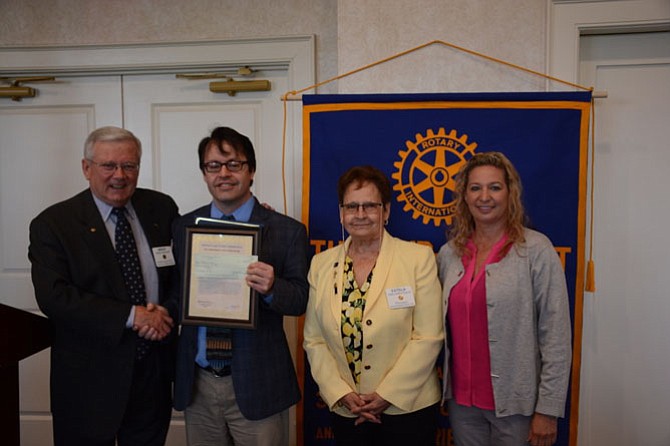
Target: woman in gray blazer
507, 315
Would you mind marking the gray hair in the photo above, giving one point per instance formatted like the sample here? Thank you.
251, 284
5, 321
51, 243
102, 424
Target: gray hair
109, 133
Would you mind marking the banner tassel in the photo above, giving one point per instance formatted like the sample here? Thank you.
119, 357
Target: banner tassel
590, 277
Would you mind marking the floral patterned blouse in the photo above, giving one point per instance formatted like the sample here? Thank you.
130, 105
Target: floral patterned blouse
353, 304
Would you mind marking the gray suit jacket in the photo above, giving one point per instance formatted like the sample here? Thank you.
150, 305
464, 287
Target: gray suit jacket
262, 370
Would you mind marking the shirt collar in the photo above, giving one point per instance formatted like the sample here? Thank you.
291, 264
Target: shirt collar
106, 209
496, 254
241, 214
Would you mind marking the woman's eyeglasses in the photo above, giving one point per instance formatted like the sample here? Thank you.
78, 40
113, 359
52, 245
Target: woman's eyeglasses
368, 207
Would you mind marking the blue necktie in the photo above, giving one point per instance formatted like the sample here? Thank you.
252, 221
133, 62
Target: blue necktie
129, 261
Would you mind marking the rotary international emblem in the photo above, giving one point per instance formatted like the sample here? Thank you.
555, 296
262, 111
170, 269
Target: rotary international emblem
425, 176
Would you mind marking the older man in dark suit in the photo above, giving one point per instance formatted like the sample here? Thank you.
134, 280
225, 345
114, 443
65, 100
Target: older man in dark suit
237, 385
101, 268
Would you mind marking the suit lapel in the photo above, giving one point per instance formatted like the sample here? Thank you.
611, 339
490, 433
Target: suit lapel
261, 216
335, 289
150, 222
380, 272
379, 275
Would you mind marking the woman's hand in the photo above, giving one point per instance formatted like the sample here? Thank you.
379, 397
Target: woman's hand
368, 407
351, 401
542, 430
372, 408
354, 403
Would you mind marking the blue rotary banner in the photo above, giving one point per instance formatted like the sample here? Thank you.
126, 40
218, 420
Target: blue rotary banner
420, 141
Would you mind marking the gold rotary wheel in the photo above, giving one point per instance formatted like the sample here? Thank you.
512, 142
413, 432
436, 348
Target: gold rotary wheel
426, 170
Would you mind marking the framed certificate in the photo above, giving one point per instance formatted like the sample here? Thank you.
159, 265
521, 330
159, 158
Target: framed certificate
215, 291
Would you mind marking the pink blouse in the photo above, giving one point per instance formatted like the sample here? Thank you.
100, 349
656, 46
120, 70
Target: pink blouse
468, 330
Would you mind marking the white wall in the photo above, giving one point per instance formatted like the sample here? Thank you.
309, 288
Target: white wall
82, 22
513, 30
349, 34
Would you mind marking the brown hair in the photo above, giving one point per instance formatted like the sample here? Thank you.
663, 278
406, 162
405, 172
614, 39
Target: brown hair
238, 141
364, 174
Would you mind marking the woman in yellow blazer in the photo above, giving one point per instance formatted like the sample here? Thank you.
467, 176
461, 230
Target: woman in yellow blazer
373, 327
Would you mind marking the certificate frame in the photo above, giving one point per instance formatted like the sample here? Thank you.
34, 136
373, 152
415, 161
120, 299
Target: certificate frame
215, 292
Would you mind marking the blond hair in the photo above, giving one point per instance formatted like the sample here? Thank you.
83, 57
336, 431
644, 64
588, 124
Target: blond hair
464, 223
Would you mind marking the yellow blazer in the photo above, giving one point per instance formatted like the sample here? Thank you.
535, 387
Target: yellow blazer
400, 346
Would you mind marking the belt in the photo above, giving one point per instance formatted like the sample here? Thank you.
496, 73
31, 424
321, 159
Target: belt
217, 373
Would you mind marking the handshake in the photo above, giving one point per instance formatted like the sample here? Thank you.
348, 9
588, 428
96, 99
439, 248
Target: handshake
152, 322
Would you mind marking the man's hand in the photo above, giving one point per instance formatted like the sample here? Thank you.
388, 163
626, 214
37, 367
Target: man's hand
542, 430
261, 277
152, 322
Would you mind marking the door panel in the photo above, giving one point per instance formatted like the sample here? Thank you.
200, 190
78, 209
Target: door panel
41, 143
172, 115
626, 353
41, 140
34, 399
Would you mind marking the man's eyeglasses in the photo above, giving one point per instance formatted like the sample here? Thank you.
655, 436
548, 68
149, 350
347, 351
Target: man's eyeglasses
215, 166
368, 207
111, 167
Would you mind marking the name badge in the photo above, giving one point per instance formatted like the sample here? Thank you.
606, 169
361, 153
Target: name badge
400, 297
163, 256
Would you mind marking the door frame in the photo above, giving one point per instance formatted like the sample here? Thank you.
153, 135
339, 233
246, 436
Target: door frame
568, 20
295, 54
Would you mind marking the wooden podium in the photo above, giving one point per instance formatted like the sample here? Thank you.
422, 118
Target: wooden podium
21, 334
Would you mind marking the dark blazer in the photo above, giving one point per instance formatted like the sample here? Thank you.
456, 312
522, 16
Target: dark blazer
263, 375
79, 286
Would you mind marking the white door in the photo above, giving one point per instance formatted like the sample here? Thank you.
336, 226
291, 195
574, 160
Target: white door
171, 115
626, 335
41, 145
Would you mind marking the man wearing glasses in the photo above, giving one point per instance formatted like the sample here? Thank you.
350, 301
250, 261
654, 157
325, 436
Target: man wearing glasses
236, 385
101, 275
